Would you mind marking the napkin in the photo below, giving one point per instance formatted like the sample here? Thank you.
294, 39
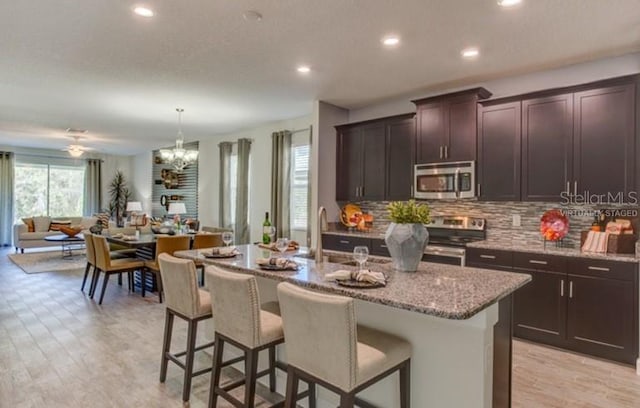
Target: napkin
282, 263
365, 275
129, 238
596, 242
224, 250
293, 246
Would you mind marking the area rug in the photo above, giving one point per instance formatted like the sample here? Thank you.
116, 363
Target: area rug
52, 261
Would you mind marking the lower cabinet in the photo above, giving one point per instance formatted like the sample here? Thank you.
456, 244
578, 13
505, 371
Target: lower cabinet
580, 304
343, 243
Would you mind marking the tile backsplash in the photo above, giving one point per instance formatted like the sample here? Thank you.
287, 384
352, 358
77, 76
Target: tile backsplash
499, 216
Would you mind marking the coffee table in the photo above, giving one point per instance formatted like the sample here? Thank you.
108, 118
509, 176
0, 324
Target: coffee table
67, 243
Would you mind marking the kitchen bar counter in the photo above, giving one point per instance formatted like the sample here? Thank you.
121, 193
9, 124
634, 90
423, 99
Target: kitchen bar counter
446, 291
550, 249
458, 321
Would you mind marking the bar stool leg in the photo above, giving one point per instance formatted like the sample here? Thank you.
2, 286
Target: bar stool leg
312, 394
292, 389
217, 368
347, 400
250, 371
405, 384
166, 344
188, 367
272, 369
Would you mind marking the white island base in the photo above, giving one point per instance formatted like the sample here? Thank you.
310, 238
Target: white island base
451, 366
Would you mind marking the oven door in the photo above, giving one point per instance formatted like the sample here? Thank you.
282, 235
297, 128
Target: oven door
445, 180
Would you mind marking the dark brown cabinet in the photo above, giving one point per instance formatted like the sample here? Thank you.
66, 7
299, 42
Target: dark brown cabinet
446, 126
489, 258
499, 151
343, 243
375, 159
604, 140
547, 143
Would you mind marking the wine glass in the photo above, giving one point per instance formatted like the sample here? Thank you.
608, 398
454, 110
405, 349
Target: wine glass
360, 255
282, 244
227, 237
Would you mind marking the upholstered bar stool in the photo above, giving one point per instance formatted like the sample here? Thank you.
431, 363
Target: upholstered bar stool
185, 300
346, 358
242, 322
164, 245
106, 265
201, 241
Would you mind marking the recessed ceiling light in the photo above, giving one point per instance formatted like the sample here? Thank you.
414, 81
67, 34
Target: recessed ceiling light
391, 40
508, 3
470, 53
252, 15
304, 69
143, 11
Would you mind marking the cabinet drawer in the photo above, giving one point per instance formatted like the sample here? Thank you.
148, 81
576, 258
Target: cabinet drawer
539, 262
603, 269
379, 247
489, 258
343, 243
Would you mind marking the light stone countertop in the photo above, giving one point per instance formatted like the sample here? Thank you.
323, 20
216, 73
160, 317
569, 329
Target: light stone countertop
445, 291
549, 249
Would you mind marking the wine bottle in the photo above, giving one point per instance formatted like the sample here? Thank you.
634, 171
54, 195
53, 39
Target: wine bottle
595, 225
266, 229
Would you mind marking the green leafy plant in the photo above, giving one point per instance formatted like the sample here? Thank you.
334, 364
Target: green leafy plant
408, 212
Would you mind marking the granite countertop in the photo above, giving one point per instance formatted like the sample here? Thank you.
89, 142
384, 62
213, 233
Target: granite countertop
445, 291
356, 233
550, 249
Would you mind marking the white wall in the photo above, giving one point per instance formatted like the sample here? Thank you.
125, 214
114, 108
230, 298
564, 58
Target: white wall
259, 172
141, 169
514, 85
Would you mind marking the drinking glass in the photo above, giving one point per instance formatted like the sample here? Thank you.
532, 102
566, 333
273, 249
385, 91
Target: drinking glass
282, 244
227, 237
360, 255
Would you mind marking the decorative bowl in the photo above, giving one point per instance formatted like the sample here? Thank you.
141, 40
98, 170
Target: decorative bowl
554, 225
70, 231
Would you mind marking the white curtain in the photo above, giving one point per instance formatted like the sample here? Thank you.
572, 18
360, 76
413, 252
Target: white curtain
93, 187
281, 182
6, 197
242, 193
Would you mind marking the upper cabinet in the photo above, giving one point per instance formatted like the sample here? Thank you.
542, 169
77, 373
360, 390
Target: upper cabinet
446, 126
375, 159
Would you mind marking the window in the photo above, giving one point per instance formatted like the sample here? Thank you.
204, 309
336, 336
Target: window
299, 186
48, 189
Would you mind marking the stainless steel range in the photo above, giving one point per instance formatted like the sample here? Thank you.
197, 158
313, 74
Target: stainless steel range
449, 235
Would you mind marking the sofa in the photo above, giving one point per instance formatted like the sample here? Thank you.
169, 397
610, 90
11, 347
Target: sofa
47, 226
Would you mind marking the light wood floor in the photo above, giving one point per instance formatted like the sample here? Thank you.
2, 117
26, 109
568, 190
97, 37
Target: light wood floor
58, 348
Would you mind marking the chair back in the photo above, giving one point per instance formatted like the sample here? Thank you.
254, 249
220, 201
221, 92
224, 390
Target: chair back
207, 240
216, 229
236, 302
103, 257
180, 284
169, 245
193, 224
325, 324
91, 251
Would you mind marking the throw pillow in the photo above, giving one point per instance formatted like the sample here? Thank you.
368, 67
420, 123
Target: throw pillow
103, 219
41, 224
29, 223
56, 224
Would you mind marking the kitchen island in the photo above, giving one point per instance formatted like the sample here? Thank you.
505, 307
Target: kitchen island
455, 318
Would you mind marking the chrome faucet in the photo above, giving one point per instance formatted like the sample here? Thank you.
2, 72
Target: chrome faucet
322, 215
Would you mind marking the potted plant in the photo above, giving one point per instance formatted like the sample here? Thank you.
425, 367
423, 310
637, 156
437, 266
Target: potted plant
407, 236
119, 196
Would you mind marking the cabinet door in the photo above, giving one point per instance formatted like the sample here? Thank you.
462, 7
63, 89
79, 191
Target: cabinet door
547, 137
601, 316
373, 162
430, 132
462, 134
400, 159
604, 139
499, 152
349, 172
539, 308
343, 243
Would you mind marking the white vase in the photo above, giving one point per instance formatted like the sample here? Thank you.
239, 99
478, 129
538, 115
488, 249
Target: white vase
406, 243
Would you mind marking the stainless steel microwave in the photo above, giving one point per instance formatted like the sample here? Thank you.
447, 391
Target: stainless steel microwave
445, 180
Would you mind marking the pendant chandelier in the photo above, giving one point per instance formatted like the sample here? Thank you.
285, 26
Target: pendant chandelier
179, 157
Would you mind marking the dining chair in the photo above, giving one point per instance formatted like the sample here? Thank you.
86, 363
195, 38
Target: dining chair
164, 245
106, 265
207, 240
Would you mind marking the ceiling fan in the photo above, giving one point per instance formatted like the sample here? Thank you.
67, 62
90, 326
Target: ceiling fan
76, 149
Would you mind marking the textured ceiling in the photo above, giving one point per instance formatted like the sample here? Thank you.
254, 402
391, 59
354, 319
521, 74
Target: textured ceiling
93, 64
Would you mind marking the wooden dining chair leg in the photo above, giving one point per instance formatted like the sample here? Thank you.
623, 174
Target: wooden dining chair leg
347, 400
120, 279
405, 385
166, 344
94, 282
312, 394
292, 388
86, 274
105, 280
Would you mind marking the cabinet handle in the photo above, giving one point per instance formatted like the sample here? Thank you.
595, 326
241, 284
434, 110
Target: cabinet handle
441, 152
568, 187
598, 268
446, 152
575, 187
487, 256
570, 289
382, 246
361, 191
479, 190
411, 194
533, 261
342, 241
562, 288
